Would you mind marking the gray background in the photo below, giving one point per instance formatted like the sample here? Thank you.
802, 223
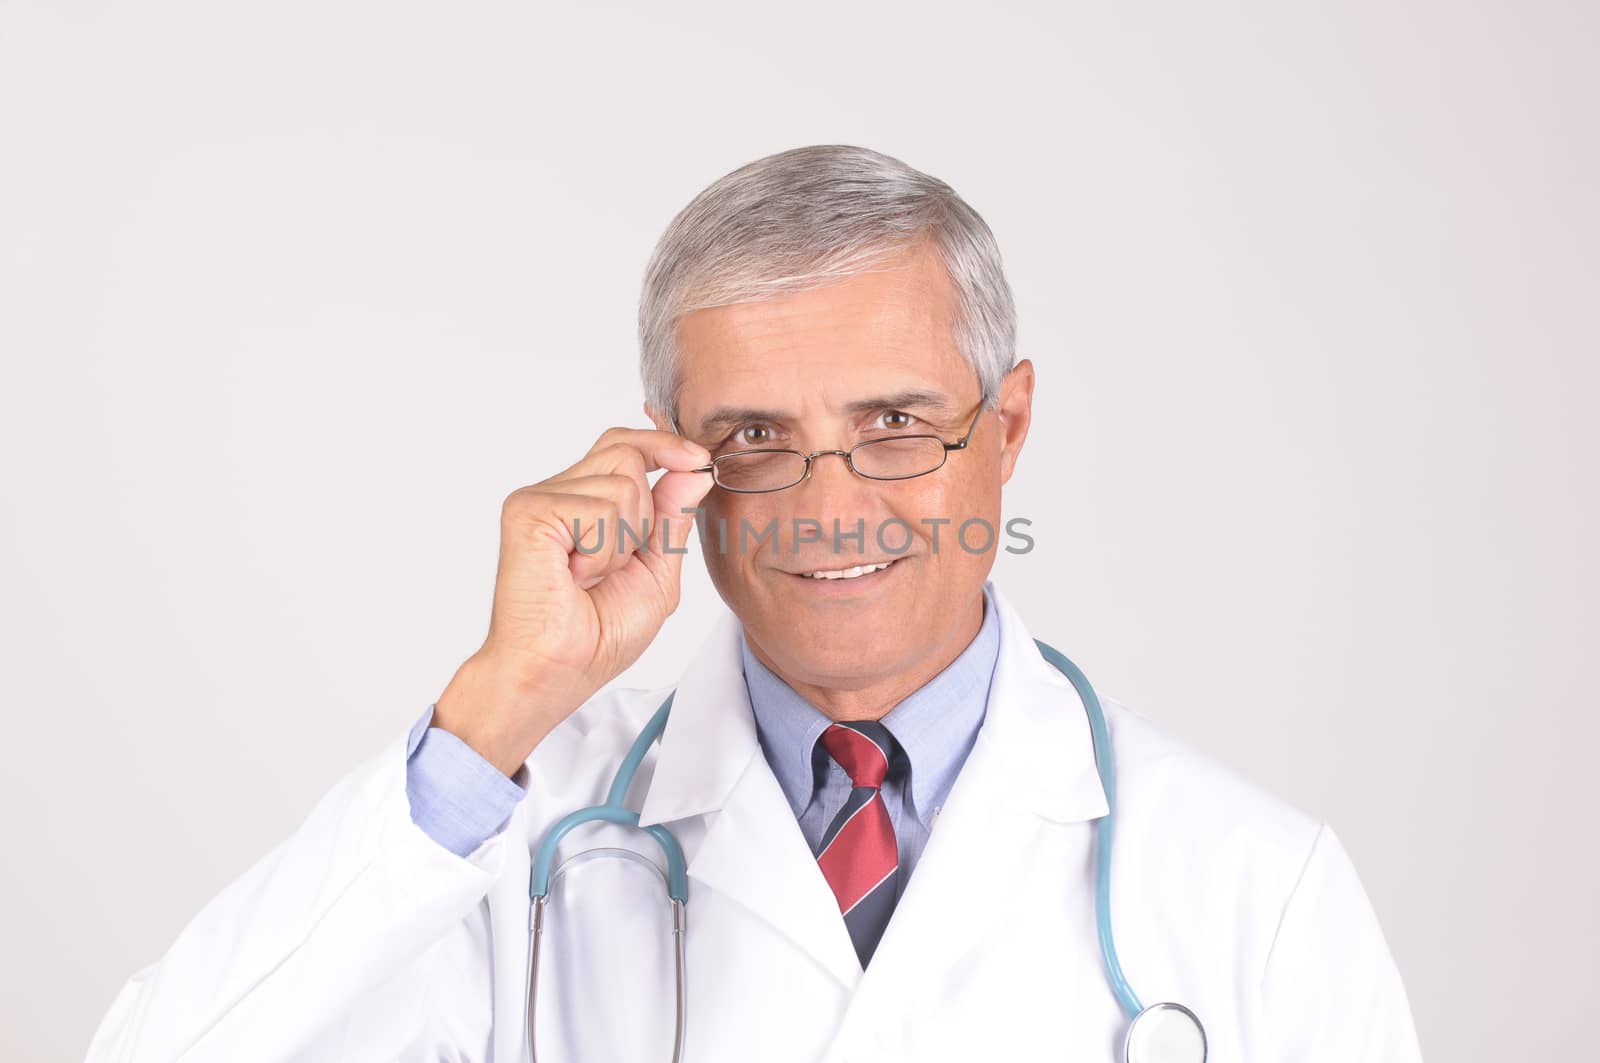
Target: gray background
295, 294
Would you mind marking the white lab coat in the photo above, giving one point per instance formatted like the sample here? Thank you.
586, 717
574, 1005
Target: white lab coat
360, 938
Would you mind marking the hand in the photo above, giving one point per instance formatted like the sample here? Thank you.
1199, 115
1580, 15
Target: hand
566, 622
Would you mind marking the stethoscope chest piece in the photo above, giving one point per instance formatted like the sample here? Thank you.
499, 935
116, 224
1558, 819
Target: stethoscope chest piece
1165, 1033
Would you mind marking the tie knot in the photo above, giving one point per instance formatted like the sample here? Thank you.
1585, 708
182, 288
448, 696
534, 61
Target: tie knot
862, 749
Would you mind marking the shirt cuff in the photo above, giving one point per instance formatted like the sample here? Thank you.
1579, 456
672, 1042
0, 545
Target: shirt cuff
457, 797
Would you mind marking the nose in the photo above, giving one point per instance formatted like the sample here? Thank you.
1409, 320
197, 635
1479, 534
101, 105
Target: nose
820, 470
842, 455
831, 491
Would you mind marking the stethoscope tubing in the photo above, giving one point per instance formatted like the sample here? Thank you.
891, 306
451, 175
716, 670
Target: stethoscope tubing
1104, 826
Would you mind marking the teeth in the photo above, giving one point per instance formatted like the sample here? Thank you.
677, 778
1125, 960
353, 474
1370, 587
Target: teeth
848, 573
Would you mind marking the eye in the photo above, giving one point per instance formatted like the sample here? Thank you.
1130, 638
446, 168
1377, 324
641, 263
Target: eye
753, 435
895, 420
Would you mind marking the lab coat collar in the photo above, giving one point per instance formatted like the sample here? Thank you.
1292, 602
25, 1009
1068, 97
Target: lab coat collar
1034, 720
752, 850
710, 736
1040, 727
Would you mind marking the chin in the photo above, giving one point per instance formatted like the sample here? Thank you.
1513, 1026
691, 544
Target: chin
832, 651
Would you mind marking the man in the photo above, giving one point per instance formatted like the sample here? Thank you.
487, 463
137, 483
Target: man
885, 795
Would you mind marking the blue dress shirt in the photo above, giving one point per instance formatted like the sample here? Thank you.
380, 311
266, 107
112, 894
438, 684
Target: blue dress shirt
461, 800
935, 728
457, 797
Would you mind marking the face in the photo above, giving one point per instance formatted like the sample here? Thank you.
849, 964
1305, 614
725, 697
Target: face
869, 357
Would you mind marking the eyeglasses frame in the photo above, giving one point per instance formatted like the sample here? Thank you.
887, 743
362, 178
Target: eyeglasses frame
960, 444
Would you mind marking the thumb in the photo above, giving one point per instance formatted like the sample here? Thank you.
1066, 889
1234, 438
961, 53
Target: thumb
674, 498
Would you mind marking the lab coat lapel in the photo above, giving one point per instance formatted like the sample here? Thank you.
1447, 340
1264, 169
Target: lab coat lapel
1032, 765
751, 850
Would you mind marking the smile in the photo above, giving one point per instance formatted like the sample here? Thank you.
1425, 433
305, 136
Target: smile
846, 573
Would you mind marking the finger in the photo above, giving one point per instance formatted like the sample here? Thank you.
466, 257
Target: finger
654, 449
580, 525
635, 510
674, 494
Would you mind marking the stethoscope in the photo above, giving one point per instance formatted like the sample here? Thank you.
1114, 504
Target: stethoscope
1160, 1033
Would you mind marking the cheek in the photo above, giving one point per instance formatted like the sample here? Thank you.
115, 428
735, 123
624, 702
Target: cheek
937, 512
931, 499
725, 515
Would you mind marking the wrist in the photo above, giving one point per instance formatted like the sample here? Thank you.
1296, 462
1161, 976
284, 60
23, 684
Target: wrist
494, 710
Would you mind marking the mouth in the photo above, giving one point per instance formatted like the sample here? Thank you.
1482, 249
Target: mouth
869, 572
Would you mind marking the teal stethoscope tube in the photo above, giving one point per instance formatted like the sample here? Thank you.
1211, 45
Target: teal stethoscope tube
1103, 826
614, 811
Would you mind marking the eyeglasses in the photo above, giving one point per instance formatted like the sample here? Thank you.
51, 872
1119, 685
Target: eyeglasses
889, 458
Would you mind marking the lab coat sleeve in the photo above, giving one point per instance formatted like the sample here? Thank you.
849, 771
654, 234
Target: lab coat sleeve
357, 895
1331, 992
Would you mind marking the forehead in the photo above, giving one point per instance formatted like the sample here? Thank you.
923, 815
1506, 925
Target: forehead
889, 328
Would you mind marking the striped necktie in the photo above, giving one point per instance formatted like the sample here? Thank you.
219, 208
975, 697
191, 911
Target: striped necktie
859, 856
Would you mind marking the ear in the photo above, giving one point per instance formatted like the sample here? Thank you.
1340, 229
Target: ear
1016, 413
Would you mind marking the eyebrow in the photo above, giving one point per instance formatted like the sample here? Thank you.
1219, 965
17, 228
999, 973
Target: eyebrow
726, 417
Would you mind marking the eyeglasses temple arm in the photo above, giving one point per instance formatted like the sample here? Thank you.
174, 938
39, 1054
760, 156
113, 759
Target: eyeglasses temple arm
961, 443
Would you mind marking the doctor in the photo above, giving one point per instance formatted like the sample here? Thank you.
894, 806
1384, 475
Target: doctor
885, 795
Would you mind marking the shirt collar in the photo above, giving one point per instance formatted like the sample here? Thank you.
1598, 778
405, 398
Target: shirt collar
936, 725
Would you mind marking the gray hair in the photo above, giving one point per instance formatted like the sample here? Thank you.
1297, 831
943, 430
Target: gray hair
808, 217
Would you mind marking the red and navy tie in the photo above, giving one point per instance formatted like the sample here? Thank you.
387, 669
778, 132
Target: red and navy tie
859, 856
